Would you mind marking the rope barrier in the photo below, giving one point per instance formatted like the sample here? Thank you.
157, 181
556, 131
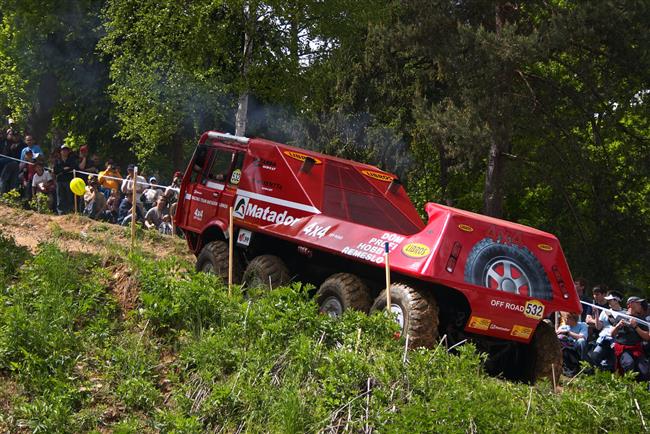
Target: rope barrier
616, 313
166, 187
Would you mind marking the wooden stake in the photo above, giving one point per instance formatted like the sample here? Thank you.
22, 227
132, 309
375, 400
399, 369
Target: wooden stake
230, 251
133, 206
74, 195
388, 301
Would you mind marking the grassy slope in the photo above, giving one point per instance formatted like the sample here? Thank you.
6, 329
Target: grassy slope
186, 357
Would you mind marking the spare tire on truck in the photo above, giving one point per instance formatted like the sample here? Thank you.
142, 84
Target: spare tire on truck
508, 268
343, 291
214, 259
265, 270
416, 312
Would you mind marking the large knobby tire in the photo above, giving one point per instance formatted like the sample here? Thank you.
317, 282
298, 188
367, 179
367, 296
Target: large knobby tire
508, 268
544, 354
416, 311
265, 270
214, 259
343, 291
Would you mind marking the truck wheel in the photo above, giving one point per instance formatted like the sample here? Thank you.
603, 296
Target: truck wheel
264, 270
507, 268
544, 354
214, 259
417, 313
343, 291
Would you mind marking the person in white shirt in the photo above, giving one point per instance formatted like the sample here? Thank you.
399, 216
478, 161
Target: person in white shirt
140, 184
43, 182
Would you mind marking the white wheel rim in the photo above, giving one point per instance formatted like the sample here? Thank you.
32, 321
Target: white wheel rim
396, 309
500, 273
332, 306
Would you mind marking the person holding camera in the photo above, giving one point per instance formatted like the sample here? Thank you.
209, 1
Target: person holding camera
629, 335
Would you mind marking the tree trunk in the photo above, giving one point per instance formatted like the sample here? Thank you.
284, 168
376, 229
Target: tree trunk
241, 117
178, 159
501, 126
40, 117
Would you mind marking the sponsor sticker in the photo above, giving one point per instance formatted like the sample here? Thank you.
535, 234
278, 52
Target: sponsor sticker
244, 238
499, 328
520, 331
235, 177
198, 214
465, 228
534, 309
478, 323
301, 157
378, 175
544, 247
244, 209
416, 250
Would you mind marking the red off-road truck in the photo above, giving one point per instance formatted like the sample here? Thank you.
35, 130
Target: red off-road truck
301, 215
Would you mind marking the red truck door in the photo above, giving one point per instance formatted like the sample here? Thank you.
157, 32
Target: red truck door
213, 187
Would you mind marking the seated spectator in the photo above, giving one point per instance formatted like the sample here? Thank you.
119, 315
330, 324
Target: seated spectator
152, 193
602, 354
112, 207
30, 145
140, 184
629, 336
599, 300
125, 211
43, 182
105, 177
165, 227
95, 201
154, 216
573, 338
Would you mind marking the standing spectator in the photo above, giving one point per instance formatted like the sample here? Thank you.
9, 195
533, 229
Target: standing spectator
25, 174
154, 216
114, 172
94, 165
573, 338
171, 193
602, 355
30, 143
152, 193
43, 182
83, 161
629, 336
581, 288
63, 172
9, 168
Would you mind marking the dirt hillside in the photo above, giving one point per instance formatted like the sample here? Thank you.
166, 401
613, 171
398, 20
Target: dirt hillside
80, 234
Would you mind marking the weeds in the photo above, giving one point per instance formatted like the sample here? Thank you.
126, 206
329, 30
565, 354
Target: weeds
192, 359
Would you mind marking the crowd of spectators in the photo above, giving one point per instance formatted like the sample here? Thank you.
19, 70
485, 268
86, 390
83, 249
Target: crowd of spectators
611, 333
25, 168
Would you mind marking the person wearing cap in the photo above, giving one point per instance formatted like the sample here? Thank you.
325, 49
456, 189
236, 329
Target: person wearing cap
602, 354
63, 170
107, 183
151, 194
629, 335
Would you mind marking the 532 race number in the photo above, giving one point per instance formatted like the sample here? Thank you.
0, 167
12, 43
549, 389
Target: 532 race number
534, 309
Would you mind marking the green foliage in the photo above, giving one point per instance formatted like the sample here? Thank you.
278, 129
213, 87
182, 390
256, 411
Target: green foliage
13, 256
12, 198
40, 203
192, 359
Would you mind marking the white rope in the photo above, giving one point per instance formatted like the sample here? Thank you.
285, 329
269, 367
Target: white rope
616, 313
